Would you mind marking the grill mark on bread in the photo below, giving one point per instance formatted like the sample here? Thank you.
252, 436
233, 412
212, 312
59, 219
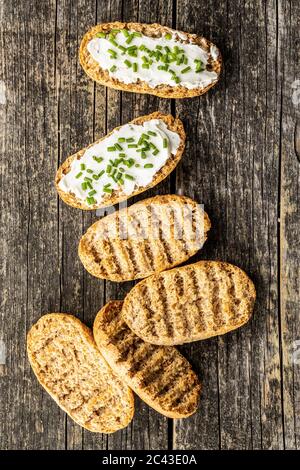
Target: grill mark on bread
182, 323
200, 320
164, 310
209, 287
165, 248
62, 366
123, 255
212, 272
149, 368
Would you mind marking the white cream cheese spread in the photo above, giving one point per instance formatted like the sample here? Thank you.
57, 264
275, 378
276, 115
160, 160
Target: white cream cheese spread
130, 56
127, 159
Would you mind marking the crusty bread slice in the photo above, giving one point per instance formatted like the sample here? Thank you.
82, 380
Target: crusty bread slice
173, 124
67, 363
93, 70
150, 236
160, 375
190, 303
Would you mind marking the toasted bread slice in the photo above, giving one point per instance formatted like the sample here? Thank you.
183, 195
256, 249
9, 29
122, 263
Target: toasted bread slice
64, 357
150, 236
117, 195
191, 303
160, 375
108, 77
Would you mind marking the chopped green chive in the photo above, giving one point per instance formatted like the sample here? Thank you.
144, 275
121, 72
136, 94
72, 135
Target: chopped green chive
135, 67
165, 144
89, 185
118, 147
111, 149
137, 34
113, 42
163, 67
100, 35
107, 185
152, 133
122, 155
96, 177
107, 190
78, 175
145, 136
148, 165
112, 53
108, 169
158, 47
84, 186
145, 66
185, 60
128, 63
129, 39
98, 159
122, 48
129, 177
130, 162
89, 171
142, 47
122, 169
125, 32
130, 139
101, 173
137, 165
87, 179
187, 69
91, 200
132, 146
91, 193
156, 152
168, 36
167, 49
121, 139
143, 154
113, 68
82, 166
118, 176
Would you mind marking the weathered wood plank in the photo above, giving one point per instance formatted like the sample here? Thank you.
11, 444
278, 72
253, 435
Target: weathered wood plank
29, 418
75, 130
231, 158
290, 218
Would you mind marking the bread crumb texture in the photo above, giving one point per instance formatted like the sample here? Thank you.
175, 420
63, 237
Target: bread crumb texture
190, 303
67, 363
160, 375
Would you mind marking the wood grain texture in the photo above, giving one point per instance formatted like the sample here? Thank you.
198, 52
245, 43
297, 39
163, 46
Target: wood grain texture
241, 161
290, 220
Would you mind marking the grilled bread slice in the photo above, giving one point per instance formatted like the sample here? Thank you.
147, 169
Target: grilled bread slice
191, 303
64, 357
117, 195
160, 375
112, 73
150, 236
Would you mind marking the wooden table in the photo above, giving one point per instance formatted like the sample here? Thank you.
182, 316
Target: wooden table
241, 161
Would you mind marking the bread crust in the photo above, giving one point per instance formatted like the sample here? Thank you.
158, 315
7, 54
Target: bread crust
55, 344
173, 124
168, 371
93, 70
190, 303
97, 258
